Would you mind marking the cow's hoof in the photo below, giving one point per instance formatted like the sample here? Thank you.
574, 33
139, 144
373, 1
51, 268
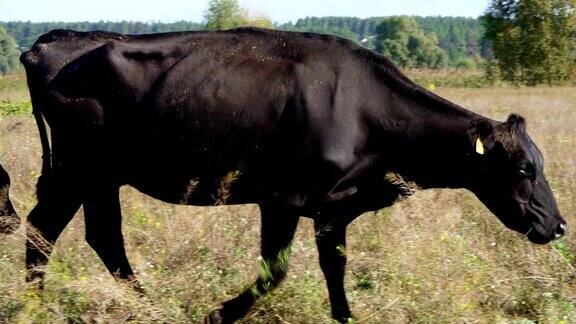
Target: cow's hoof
213, 318
133, 284
344, 320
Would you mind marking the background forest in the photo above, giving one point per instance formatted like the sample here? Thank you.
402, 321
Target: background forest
459, 38
519, 41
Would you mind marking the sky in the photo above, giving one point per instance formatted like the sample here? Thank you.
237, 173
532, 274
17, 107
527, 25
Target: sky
193, 10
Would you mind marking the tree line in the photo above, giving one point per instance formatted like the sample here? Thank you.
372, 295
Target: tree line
26, 33
521, 41
460, 38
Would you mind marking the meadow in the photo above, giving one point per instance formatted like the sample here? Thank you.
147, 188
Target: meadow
438, 257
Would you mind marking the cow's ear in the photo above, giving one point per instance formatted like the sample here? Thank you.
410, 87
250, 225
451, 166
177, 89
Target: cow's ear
480, 133
516, 122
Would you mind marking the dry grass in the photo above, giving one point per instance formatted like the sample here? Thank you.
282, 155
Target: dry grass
13, 87
439, 256
454, 78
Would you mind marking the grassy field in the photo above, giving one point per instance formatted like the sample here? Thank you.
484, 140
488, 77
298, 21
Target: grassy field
438, 257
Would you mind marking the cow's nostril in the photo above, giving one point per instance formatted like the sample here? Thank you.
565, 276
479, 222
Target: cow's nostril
560, 230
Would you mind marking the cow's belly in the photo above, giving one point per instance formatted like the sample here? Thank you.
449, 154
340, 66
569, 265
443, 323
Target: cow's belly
189, 172
178, 190
181, 188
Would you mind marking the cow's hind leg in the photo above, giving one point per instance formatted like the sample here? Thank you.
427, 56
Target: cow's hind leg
331, 242
57, 204
278, 227
103, 220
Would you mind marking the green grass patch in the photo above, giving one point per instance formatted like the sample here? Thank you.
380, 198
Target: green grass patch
12, 108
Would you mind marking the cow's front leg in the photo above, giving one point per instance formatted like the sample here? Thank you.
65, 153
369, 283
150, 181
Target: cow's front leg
57, 204
278, 227
331, 242
103, 220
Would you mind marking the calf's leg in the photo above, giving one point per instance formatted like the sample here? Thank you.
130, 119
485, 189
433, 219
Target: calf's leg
331, 242
103, 220
278, 227
57, 204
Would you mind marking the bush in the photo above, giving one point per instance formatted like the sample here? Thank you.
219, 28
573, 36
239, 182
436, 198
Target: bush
403, 41
11, 108
466, 63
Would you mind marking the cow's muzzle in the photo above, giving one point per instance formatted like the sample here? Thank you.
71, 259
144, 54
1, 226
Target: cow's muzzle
560, 230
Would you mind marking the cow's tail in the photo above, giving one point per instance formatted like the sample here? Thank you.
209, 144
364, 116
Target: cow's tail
46, 151
29, 59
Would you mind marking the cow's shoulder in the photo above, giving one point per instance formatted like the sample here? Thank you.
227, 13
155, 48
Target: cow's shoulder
117, 65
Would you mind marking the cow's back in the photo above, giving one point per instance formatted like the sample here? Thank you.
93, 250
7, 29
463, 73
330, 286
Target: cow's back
240, 78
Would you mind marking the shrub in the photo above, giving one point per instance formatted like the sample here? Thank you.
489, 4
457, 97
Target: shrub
11, 108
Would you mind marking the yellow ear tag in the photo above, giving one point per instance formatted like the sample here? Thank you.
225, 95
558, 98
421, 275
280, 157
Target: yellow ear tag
479, 147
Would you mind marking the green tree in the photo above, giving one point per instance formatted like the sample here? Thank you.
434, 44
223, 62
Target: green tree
402, 40
533, 41
8, 53
225, 14
260, 20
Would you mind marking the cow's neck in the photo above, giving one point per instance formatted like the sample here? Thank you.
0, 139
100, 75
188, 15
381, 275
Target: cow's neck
435, 149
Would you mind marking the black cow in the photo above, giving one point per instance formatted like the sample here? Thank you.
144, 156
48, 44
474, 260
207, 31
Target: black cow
9, 220
301, 124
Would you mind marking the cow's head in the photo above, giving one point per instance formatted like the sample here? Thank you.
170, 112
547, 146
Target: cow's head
9, 220
510, 179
